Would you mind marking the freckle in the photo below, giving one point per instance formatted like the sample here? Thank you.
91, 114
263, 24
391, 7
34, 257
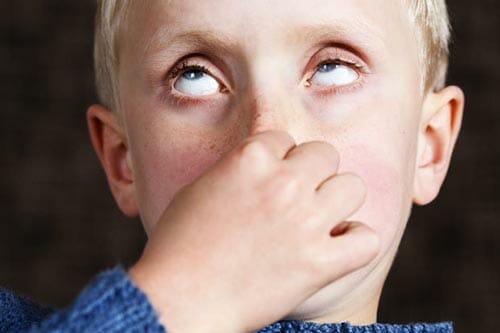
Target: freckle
255, 123
256, 116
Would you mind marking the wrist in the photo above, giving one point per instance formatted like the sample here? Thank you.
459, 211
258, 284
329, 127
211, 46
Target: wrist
177, 310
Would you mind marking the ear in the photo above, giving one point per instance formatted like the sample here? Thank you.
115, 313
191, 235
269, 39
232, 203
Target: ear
440, 124
110, 144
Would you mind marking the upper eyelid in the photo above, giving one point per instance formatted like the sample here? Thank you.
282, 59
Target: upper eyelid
183, 67
186, 63
358, 68
326, 54
341, 61
199, 61
333, 52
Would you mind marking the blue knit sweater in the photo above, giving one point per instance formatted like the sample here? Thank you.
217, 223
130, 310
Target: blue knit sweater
111, 303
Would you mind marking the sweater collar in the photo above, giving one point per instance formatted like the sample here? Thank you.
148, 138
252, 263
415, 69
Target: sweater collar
295, 326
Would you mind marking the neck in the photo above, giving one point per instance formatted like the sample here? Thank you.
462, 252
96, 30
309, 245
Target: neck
359, 313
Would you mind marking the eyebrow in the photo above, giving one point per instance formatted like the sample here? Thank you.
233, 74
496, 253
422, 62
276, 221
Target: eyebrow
200, 39
356, 35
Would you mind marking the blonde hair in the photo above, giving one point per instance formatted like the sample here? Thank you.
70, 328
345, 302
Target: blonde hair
108, 22
430, 17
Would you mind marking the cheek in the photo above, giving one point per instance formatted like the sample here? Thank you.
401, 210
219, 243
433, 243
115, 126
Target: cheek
165, 169
384, 205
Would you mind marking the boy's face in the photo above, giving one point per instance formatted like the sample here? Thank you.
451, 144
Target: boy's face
345, 72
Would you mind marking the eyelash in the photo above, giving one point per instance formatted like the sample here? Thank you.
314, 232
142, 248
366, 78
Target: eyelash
184, 67
339, 61
358, 67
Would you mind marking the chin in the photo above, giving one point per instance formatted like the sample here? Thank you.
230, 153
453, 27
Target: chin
353, 298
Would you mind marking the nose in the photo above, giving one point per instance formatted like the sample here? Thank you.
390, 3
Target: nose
268, 113
274, 109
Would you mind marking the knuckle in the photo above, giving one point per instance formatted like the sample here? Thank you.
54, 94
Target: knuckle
327, 150
280, 135
355, 185
328, 147
364, 248
284, 183
332, 155
320, 266
253, 151
253, 158
371, 243
359, 188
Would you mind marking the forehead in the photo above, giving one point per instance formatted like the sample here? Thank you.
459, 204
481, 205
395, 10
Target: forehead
157, 24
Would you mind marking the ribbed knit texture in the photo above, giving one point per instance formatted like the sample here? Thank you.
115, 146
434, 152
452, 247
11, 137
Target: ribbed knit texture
307, 327
112, 303
18, 313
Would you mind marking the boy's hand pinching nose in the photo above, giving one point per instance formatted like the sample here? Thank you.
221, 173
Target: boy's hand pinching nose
253, 237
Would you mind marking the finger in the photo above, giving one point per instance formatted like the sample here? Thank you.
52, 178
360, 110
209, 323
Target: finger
340, 197
279, 143
314, 161
357, 246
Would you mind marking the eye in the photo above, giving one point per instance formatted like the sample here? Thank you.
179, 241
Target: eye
197, 82
334, 73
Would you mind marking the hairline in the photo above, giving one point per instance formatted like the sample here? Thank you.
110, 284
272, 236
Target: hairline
432, 38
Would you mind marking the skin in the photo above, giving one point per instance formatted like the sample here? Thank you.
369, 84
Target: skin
381, 127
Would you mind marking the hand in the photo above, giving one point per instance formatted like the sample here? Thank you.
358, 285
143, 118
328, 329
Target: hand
253, 237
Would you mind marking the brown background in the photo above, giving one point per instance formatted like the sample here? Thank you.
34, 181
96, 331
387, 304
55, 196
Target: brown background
59, 225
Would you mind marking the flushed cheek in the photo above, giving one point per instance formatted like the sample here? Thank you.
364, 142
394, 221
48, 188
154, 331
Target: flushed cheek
167, 170
383, 207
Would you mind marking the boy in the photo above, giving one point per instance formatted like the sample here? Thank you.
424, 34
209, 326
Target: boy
273, 153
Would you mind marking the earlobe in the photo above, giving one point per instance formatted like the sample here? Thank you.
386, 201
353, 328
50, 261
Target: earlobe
440, 124
110, 144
